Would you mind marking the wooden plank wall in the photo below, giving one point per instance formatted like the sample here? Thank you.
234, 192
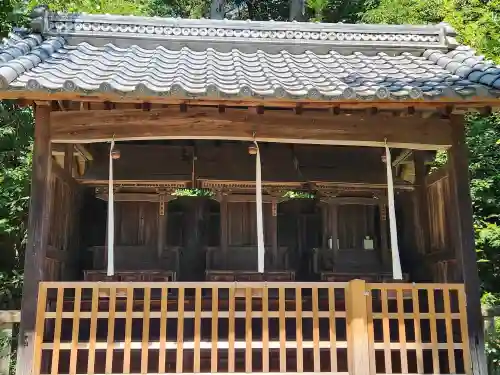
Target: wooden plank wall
64, 226
136, 223
438, 197
242, 224
354, 223
442, 244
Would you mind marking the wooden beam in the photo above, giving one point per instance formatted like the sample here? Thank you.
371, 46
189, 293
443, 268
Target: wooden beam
366, 201
84, 152
402, 157
98, 97
135, 197
38, 235
238, 198
465, 247
235, 124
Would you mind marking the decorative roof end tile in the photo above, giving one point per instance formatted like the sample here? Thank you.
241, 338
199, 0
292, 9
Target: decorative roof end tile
40, 19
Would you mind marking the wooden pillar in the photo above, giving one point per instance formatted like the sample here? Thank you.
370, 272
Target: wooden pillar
38, 235
68, 159
465, 247
195, 225
224, 227
325, 218
162, 226
384, 245
422, 234
358, 346
274, 233
334, 229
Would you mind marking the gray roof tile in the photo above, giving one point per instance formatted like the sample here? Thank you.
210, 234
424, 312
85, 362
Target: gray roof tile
207, 58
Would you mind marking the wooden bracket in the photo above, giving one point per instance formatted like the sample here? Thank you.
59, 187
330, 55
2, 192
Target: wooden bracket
162, 206
274, 206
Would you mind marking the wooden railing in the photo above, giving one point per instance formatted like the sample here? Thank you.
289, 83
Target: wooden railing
253, 327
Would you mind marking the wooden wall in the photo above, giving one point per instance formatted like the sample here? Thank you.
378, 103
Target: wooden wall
63, 242
438, 198
136, 223
242, 224
355, 222
441, 253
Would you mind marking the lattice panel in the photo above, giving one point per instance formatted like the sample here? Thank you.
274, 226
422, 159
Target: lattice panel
153, 328
418, 329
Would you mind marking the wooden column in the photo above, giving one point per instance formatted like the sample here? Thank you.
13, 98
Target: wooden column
38, 235
162, 226
224, 226
334, 229
465, 247
422, 234
384, 245
325, 218
274, 233
68, 159
358, 351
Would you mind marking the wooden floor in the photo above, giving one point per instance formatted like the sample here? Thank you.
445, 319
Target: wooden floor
154, 328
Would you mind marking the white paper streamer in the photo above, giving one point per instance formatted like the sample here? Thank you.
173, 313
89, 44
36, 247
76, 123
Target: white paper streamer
397, 273
111, 215
260, 222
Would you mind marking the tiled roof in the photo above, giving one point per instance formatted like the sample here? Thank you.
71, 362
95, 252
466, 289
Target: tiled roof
206, 58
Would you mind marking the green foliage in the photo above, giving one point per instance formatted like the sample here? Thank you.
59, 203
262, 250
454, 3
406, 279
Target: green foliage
292, 194
318, 7
193, 193
11, 284
492, 349
406, 12
16, 131
484, 167
482, 136
10, 14
477, 23
179, 8
124, 7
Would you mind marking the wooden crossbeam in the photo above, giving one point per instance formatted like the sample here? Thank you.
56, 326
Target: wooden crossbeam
239, 124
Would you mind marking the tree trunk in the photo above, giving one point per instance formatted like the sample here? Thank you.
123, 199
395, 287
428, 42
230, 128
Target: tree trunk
297, 10
217, 9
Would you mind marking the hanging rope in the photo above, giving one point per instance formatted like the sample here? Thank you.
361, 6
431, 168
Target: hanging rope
111, 215
260, 222
397, 273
